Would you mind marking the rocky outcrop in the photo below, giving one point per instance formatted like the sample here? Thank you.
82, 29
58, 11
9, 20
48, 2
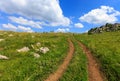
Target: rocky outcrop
105, 28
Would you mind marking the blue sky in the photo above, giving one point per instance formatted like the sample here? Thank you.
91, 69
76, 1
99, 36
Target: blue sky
57, 15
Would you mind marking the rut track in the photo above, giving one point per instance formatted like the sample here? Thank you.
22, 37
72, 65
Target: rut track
94, 73
62, 68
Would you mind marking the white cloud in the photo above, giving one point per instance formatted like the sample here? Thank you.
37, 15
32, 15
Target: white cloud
62, 30
16, 28
25, 29
102, 15
78, 25
26, 22
44, 10
9, 27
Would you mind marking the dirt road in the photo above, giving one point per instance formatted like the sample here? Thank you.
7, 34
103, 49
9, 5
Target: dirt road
62, 68
94, 73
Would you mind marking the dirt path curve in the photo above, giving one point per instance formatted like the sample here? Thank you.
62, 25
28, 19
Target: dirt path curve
93, 68
57, 75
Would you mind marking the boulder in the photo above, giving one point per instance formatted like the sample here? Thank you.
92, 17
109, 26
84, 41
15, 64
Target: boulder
2, 57
108, 27
1, 40
33, 36
24, 49
36, 55
38, 44
10, 35
44, 50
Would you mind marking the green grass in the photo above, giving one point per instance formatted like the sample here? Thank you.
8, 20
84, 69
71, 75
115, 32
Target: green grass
106, 48
24, 66
77, 70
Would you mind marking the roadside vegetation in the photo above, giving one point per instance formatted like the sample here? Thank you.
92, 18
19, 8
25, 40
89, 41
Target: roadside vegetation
106, 49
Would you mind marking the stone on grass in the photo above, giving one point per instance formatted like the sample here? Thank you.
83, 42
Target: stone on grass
2, 57
38, 44
1, 40
33, 36
10, 35
36, 55
44, 50
24, 49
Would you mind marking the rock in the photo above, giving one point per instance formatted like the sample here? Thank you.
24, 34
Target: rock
38, 44
108, 27
10, 35
3, 57
1, 40
44, 50
36, 55
24, 49
33, 36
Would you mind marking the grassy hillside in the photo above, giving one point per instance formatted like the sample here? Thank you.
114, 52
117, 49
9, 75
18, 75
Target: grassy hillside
106, 48
23, 66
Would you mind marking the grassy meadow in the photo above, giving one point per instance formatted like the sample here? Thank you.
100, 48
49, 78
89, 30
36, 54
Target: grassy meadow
106, 49
23, 66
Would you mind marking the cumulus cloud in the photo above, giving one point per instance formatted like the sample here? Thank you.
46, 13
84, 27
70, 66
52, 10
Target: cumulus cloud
16, 28
23, 21
102, 15
45, 10
9, 26
25, 29
78, 25
62, 30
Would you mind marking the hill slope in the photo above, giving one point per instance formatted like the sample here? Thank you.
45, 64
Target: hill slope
106, 48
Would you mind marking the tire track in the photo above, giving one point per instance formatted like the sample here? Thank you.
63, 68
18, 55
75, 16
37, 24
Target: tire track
62, 68
94, 73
